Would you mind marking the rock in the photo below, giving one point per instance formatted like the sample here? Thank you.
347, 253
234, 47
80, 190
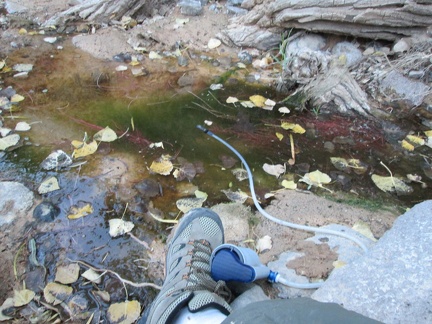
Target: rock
149, 188
236, 10
306, 43
252, 295
185, 80
23, 67
7, 92
235, 219
251, 36
403, 45
15, 201
347, 52
235, 2
245, 57
191, 7
390, 282
56, 160
46, 212
394, 84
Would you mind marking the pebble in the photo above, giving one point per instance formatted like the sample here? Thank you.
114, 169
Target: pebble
46, 212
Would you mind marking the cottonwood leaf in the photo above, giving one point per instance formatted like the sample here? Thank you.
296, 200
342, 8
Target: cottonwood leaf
124, 313
274, 169
232, 100
236, 196
247, 104
16, 98
105, 135
416, 140
289, 184
23, 297
391, 184
186, 204
279, 136
8, 303
428, 133
162, 166
284, 110
258, 100
154, 56
407, 145
22, 127
240, 174
55, 293
316, 178
213, 43
67, 274
92, 276
264, 244
85, 149
295, 128
9, 141
76, 212
119, 227
50, 184
364, 229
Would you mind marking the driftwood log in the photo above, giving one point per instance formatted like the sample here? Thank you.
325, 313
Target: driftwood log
373, 19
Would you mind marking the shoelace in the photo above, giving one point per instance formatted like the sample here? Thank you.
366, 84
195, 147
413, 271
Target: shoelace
199, 276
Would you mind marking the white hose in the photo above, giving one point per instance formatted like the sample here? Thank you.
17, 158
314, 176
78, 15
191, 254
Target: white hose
308, 285
270, 217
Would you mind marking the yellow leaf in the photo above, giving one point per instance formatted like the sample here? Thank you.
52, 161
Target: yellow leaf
363, 228
162, 166
67, 274
296, 128
17, 98
391, 184
50, 184
55, 293
338, 264
105, 135
407, 146
22, 31
289, 184
279, 136
232, 100
247, 104
258, 100
2, 64
201, 194
416, 140
124, 313
428, 133
23, 297
186, 204
76, 212
85, 149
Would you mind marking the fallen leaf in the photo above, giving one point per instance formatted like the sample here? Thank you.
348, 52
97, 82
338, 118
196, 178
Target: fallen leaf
316, 178
428, 133
186, 204
119, 227
92, 276
16, 98
407, 145
364, 229
76, 212
22, 127
338, 264
105, 135
391, 184
124, 313
284, 110
213, 43
236, 196
295, 128
240, 174
416, 140
121, 68
279, 136
247, 104
258, 100
289, 184
8, 303
67, 274
23, 297
55, 293
50, 184
232, 100
275, 170
85, 149
201, 194
264, 244
9, 141
162, 166
154, 56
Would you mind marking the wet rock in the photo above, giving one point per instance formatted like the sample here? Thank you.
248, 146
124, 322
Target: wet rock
191, 7
329, 147
254, 294
389, 283
122, 57
35, 279
7, 92
149, 188
395, 85
15, 201
245, 57
416, 74
56, 160
46, 212
347, 52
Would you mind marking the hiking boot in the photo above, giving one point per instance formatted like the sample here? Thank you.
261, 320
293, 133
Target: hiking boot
187, 269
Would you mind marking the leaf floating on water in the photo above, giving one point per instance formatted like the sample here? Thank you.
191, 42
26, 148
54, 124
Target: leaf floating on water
23, 297
105, 135
50, 184
295, 128
201, 194
67, 274
9, 141
240, 174
264, 244
316, 178
84, 149
391, 184
162, 166
275, 170
346, 165
289, 184
236, 196
124, 313
258, 100
76, 212
119, 227
92, 276
232, 100
55, 293
22, 127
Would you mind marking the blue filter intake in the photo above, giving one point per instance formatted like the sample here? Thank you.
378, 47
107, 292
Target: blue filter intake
232, 263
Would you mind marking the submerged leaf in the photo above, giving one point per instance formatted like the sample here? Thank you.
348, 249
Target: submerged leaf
105, 135
119, 227
416, 140
407, 145
391, 184
186, 204
55, 293
85, 149
76, 212
247, 104
16, 98
9, 141
316, 178
236, 196
67, 274
289, 184
124, 313
279, 136
295, 128
92, 276
22, 127
273, 169
23, 297
50, 184
240, 174
162, 166
232, 100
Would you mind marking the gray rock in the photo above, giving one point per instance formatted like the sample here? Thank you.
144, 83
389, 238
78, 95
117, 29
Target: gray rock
191, 7
234, 2
306, 43
252, 36
352, 54
391, 282
15, 201
46, 212
254, 294
233, 10
185, 80
394, 84
245, 57
56, 160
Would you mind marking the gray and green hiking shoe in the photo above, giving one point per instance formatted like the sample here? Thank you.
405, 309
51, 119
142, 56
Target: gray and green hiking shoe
187, 279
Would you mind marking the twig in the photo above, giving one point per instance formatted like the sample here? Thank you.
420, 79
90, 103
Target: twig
139, 241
